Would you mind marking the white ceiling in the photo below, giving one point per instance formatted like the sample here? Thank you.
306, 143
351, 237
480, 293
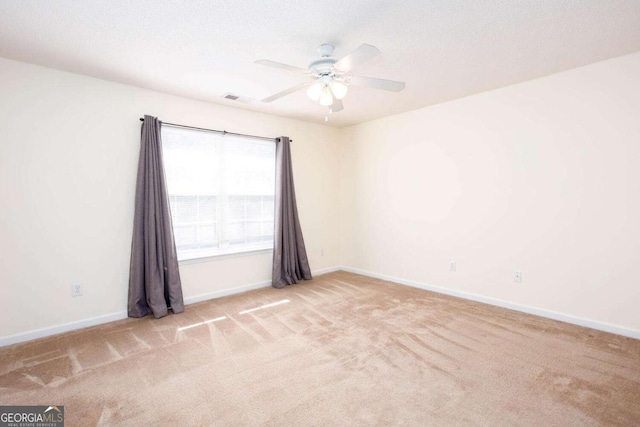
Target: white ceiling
442, 49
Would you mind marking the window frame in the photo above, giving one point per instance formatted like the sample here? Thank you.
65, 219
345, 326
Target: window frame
225, 247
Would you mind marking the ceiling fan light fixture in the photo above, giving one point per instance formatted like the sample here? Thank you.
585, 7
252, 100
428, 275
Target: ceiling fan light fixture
326, 98
314, 91
339, 89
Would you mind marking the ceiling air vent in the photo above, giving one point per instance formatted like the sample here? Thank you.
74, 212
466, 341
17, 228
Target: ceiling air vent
237, 98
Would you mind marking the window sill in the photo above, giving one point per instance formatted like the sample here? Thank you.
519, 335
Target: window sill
220, 257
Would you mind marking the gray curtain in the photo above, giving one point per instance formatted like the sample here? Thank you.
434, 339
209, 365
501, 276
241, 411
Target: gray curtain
154, 279
290, 262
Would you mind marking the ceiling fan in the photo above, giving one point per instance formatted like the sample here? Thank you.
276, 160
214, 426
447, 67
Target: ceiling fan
330, 77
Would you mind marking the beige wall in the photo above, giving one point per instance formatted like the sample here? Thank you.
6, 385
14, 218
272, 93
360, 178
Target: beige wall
540, 177
68, 158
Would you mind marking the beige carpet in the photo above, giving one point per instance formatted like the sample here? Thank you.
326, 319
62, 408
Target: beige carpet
339, 350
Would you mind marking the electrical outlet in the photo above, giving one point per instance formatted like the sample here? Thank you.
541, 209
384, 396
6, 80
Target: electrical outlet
452, 266
76, 290
321, 252
517, 276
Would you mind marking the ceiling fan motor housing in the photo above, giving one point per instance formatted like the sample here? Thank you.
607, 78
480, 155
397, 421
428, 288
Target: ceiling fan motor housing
322, 66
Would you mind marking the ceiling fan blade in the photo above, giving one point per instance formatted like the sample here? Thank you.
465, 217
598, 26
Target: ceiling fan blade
383, 84
287, 91
282, 66
358, 57
337, 105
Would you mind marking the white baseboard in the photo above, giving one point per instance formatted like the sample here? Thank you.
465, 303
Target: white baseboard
93, 321
226, 292
245, 288
326, 270
600, 326
58, 329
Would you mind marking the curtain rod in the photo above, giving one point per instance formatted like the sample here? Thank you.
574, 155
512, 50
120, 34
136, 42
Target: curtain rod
224, 132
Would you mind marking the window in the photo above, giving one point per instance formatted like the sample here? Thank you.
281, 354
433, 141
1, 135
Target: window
221, 191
